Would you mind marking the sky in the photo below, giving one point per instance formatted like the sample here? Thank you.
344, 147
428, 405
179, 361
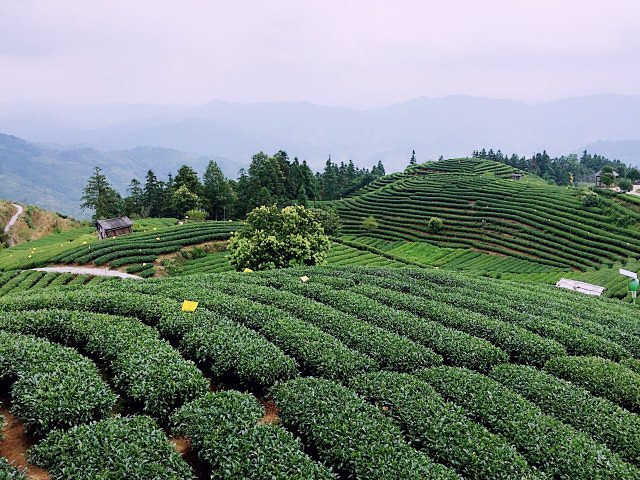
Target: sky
357, 53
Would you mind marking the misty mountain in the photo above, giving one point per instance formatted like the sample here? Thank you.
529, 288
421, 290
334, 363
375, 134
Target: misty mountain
448, 126
53, 177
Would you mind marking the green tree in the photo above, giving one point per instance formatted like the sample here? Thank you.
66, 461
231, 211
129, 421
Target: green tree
329, 219
625, 185
369, 223
134, 203
607, 178
413, 160
217, 193
153, 196
100, 197
278, 238
435, 224
183, 200
187, 177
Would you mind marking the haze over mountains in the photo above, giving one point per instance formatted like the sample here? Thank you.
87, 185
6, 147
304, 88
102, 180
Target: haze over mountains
73, 139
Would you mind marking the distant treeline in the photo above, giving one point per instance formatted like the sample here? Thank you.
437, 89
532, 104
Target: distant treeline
560, 170
269, 180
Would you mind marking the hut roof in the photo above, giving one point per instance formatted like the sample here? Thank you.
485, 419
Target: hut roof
113, 223
599, 174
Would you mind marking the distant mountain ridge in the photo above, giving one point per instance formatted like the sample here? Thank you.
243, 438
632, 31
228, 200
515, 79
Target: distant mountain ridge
449, 126
53, 177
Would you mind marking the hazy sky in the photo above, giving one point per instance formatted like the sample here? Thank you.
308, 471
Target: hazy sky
334, 52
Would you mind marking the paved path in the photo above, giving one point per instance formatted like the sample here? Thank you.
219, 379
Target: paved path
98, 272
14, 218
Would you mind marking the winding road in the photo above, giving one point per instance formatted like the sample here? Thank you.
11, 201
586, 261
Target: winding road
98, 272
14, 218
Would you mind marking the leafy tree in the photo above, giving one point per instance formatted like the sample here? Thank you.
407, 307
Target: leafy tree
607, 178
413, 160
278, 238
625, 185
100, 197
369, 223
183, 200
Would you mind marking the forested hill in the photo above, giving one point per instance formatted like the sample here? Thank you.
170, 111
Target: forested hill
483, 208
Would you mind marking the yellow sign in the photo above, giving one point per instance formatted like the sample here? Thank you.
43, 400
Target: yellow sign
189, 306
247, 270
304, 279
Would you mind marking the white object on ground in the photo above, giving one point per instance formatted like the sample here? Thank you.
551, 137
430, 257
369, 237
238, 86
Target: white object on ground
628, 273
582, 287
14, 218
96, 272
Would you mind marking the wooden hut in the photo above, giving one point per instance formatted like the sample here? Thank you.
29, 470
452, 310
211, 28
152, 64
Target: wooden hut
114, 227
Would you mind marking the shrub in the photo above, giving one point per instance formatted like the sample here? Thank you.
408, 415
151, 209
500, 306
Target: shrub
625, 185
120, 447
435, 225
378, 450
440, 428
196, 216
559, 450
221, 345
224, 428
274, 238
388, 349
601, 377
147, 370
329, 219
55, 386
369, 224
9, 472
603, 420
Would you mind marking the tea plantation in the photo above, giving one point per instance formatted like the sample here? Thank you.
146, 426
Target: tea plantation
483, 209
359, 372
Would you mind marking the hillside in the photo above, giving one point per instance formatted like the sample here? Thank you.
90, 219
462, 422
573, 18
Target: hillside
483, 209
33, 223
380, 373
53, 177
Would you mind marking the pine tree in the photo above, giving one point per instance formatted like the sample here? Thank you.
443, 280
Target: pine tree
413, 160
134, 203
217, 195
100, 197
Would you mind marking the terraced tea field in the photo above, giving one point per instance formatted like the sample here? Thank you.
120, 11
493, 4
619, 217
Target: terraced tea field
441, 374
483, 209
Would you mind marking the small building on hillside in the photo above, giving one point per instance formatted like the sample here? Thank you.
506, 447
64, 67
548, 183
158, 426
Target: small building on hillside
598, 177
516, 176
114, 227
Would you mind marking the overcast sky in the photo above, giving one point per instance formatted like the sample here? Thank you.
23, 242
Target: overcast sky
334, 52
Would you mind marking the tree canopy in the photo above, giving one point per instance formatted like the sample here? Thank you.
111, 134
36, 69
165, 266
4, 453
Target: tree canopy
278, 238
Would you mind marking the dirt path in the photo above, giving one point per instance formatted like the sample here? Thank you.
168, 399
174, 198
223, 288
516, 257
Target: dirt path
98, 272
15, 445
14, 218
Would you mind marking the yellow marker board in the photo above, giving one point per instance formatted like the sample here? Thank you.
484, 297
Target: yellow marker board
247, 270
189, 306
